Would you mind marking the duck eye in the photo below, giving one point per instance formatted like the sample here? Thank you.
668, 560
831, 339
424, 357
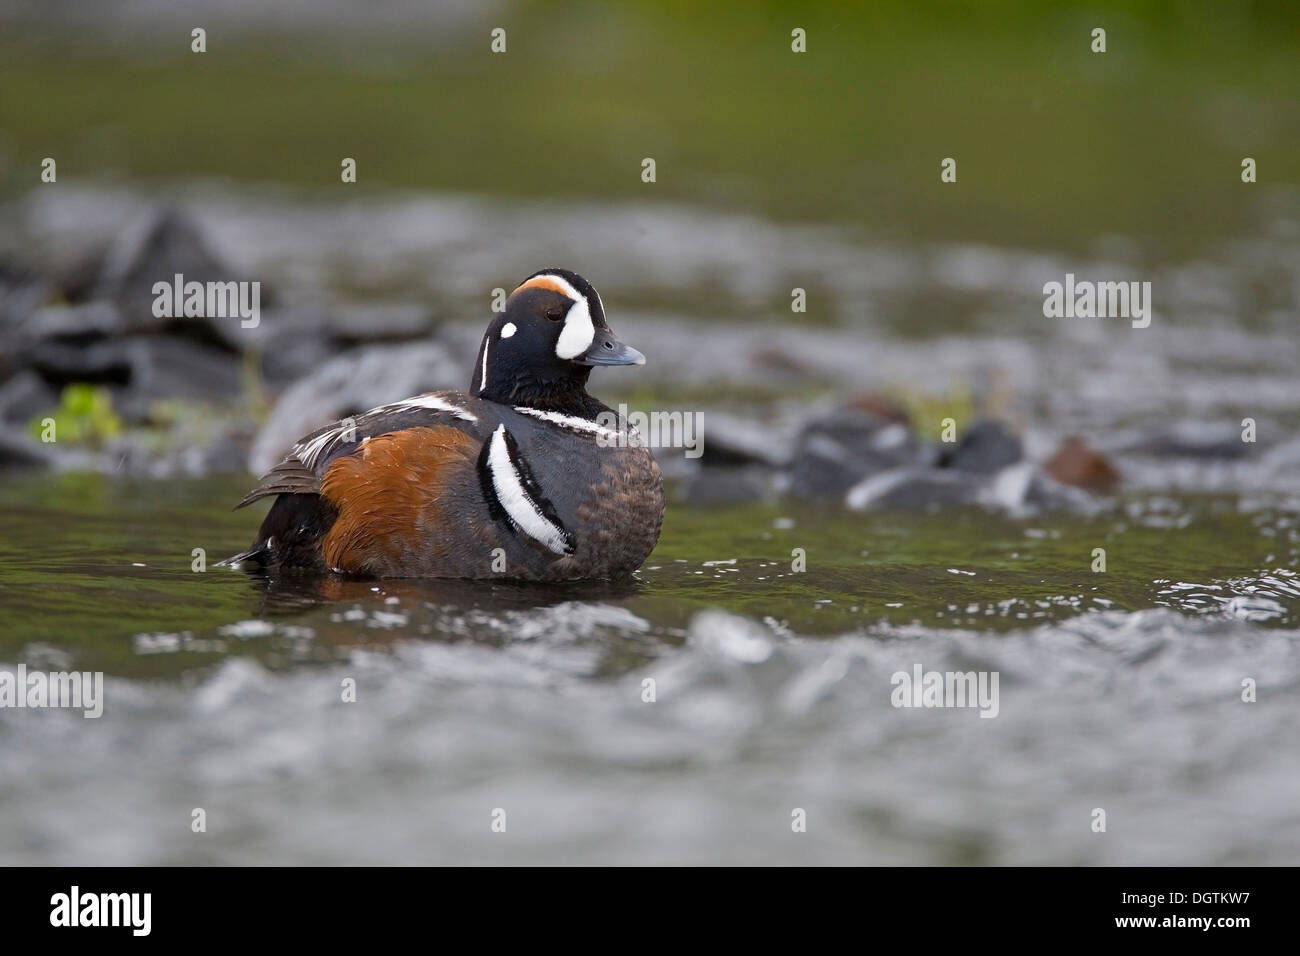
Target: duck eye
555, 314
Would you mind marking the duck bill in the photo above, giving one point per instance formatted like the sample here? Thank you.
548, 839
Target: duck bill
607, 350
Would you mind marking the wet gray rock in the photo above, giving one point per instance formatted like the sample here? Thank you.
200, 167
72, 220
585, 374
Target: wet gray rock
155, 248
350, 384
25, 396
1021, 488
730, 441
137, 454
912, 486
102, 362
294, 341
22, 292
1191, 439
1284, 456
727, 485
374, 323
838, 451
104, 332
18, 450
1025, 488
141, 370
163, 368
71, 324
985, 448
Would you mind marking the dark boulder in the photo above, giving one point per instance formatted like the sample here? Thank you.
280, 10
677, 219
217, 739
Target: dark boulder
837, 451
986, 447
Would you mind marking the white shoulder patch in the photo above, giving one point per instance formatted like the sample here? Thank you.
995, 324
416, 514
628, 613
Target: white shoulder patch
574, 423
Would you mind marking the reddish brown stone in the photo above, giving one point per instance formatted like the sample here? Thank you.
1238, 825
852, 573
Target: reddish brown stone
1078, 463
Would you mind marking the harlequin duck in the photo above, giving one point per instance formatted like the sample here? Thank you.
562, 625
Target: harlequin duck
526, 476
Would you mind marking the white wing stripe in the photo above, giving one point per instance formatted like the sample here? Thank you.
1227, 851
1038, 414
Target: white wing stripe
429, 401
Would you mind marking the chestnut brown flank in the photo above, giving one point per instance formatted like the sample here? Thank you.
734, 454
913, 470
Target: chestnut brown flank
386, 491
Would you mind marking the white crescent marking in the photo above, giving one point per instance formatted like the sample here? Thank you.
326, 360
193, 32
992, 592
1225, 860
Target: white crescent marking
523, 511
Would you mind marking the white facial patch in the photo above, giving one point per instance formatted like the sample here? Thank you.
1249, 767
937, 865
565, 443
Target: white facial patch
508, 330
579, 331
519, 506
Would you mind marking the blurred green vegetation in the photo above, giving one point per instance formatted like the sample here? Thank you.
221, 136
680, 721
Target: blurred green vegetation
1055, 145
85, 416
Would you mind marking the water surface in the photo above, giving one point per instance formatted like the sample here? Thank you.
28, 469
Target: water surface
1119, 690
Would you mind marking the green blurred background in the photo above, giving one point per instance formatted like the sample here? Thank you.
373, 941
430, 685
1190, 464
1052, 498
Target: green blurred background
1055, 145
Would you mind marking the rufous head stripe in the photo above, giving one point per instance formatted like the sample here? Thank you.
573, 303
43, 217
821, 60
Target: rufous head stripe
550, 282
